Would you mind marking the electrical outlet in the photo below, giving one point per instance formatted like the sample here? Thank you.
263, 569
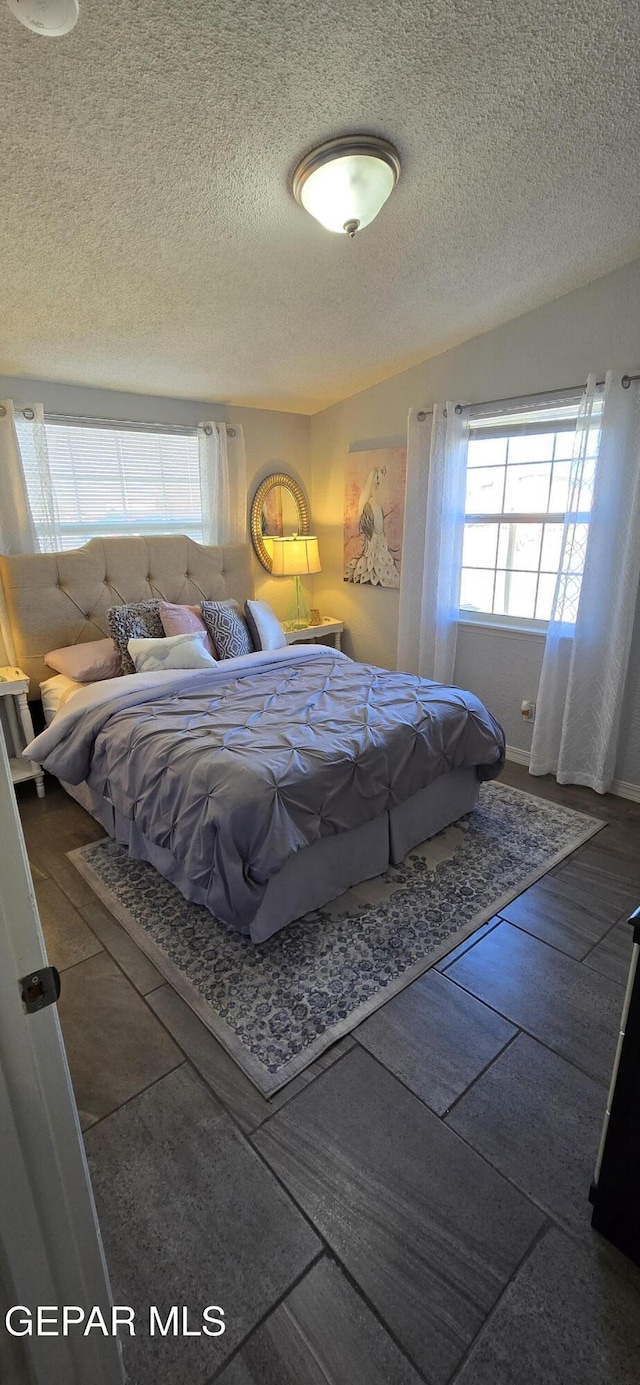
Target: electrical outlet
527, 710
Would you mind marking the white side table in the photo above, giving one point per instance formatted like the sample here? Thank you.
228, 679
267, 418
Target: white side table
327, 626
14, 686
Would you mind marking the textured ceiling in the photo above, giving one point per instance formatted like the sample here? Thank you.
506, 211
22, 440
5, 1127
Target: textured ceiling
149, 239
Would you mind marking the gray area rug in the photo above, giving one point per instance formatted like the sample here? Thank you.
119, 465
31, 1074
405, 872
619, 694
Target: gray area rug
276, 1007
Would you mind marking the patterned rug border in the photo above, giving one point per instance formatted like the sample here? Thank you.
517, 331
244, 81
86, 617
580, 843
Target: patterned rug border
267, 1083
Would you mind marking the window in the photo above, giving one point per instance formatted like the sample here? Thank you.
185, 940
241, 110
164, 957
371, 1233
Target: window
113, 480
518, 476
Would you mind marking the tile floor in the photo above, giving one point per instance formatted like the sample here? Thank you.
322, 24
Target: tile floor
414, 1206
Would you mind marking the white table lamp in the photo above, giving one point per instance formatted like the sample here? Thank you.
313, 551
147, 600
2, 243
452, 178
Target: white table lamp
297, 557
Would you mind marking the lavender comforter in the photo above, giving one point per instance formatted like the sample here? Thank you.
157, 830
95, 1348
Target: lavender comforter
230, 770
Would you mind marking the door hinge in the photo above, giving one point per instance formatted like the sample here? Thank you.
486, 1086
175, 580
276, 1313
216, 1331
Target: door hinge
39, 989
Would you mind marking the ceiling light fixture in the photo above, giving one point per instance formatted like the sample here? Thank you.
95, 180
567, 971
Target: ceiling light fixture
51, 18
345, 182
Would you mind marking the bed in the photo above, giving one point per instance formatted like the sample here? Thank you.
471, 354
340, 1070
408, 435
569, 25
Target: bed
266, 786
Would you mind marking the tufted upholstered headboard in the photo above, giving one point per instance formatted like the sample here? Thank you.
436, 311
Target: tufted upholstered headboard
56, 599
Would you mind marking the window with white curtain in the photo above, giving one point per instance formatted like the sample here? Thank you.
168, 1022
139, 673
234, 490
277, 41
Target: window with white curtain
116, 479
518, 489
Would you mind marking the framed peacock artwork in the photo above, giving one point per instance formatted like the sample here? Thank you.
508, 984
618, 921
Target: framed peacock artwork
373, 516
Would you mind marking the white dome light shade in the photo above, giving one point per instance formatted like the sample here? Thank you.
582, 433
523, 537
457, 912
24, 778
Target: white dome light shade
51, 18
346, 182
352, 188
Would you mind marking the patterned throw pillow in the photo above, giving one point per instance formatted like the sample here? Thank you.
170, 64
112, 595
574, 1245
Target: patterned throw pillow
227, 627
138, 621
175, 651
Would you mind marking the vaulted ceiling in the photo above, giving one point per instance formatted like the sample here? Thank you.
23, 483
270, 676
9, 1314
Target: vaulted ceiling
149, 238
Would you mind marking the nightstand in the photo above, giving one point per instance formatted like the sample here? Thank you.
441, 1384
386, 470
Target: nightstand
327, 626
14, 686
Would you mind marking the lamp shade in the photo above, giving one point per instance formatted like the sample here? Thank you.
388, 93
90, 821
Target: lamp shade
50, 18
345, 182
295, 557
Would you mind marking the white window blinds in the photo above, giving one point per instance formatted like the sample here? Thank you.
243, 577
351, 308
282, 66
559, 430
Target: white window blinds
520, 483
114, 479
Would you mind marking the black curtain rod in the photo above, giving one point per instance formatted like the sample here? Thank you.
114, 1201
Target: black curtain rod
626, 382
83, 420
88, 420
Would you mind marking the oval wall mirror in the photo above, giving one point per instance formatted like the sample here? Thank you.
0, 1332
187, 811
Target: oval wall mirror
279, 509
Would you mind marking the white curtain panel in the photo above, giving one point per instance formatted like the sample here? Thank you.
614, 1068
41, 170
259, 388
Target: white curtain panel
223, 483
17, 529
432, 541
32, 440
22, 444
586, 657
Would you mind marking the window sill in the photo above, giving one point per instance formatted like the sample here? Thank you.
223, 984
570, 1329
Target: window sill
494, 627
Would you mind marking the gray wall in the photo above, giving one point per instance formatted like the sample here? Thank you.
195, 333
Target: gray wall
594, 328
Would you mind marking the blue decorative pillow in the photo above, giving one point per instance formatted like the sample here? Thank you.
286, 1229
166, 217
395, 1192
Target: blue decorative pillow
227, 627
138, 620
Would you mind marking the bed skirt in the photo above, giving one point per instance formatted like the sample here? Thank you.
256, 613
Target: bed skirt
319, 873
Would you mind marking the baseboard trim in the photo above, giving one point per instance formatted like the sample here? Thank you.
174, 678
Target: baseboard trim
519, 757
622, 788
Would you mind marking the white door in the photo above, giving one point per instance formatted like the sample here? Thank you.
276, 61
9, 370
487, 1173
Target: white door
50, 1248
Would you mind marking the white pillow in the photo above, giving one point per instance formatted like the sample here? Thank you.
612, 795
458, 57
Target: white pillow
56, 691
174, 651
264, 627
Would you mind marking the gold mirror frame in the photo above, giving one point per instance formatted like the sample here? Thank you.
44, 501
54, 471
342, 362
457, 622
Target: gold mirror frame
278, 478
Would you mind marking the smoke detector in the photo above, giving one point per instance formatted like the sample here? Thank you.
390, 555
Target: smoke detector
51, 18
